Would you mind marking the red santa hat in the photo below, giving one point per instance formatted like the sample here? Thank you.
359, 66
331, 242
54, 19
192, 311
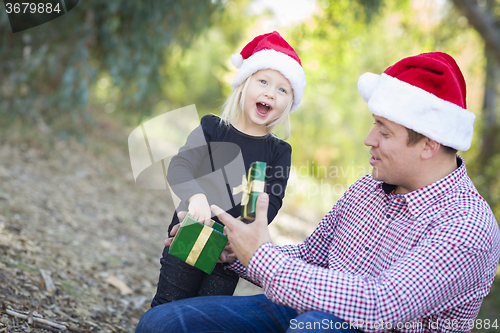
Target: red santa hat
425, 93
271, 51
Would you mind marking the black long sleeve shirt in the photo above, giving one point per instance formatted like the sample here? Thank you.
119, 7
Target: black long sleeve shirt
216, 157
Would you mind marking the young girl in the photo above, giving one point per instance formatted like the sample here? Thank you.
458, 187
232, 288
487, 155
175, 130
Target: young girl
269, 84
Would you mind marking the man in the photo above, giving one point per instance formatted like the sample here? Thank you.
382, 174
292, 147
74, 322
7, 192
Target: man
412, 247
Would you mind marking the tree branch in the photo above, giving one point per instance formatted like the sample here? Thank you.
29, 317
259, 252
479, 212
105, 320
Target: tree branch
484, 23
37, 320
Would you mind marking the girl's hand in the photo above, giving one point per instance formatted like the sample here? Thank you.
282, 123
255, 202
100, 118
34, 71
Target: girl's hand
175, 228
199, 208
169, 240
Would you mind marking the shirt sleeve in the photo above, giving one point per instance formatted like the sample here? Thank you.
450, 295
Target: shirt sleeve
315, 248
422, 282
277, 176
192, 161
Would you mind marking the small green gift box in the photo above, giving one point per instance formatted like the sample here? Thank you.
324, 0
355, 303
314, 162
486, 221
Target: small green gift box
198, 245
253, 184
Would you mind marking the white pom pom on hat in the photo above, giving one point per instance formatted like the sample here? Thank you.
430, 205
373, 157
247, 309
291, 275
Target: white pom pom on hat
271, 51
237, 60
366, 84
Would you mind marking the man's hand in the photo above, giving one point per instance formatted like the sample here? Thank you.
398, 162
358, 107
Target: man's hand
245, 238
227, 255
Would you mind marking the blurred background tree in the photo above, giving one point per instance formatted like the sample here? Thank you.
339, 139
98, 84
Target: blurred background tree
47, 73
484, 17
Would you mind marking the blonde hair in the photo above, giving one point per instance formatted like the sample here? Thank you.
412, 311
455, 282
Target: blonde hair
232, 111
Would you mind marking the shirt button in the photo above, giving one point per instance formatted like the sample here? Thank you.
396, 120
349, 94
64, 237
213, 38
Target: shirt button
367, 248
388, 216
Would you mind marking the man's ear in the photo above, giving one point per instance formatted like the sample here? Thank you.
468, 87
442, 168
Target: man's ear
430, 148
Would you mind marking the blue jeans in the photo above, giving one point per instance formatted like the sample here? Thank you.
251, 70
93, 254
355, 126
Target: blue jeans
234, 314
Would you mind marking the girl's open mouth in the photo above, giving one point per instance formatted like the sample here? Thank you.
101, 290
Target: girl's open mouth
263, 109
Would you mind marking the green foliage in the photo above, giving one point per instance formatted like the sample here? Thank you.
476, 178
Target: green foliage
199, 75
47, 72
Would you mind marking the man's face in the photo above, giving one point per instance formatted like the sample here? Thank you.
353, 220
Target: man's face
393, 161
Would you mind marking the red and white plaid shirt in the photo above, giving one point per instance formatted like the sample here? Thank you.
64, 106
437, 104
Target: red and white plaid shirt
416, 262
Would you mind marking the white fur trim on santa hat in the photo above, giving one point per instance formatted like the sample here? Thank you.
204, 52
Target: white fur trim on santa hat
271, 59
417, 109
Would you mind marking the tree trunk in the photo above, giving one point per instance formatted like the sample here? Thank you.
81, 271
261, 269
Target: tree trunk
490, 112
484, 22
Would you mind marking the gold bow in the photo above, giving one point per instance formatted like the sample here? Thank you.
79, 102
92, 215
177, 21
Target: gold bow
248, 187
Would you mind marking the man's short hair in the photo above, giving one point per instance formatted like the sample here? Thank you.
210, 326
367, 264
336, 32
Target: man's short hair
414, 138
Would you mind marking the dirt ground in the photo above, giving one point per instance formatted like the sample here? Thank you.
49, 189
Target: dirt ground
70, 214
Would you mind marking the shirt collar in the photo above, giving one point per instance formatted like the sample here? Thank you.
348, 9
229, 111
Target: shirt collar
419, 200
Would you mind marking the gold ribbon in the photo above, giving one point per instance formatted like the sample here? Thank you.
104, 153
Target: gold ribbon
198, 246
247, 188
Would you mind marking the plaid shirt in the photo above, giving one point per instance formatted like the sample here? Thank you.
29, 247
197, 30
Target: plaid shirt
416, 262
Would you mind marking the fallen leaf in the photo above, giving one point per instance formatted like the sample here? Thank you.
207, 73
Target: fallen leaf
49, 284
119, 284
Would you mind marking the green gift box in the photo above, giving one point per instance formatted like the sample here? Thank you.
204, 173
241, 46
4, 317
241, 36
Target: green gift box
253, 184
198, 245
